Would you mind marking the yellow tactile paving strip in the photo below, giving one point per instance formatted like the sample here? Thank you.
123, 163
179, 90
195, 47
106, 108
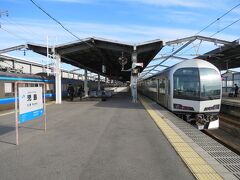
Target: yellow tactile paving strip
198, 166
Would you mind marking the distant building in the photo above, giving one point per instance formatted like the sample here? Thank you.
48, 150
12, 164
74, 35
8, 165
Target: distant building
229, 79
17, 65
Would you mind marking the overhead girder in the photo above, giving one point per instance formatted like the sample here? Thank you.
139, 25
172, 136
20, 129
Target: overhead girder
14, 48
203, 38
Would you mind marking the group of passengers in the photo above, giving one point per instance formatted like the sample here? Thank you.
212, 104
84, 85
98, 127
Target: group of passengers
71, 92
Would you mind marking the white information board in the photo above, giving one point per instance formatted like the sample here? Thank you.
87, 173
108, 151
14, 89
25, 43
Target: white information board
30, 103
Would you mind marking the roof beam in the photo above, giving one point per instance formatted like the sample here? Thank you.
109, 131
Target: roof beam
167, 57
76, 69
39, 49
149, 47
114, 47
156, 70
69, 50
81, 66
176, 57
14, 48
157, 65
203, 38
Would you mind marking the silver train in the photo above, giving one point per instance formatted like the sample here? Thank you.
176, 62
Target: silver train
191, 89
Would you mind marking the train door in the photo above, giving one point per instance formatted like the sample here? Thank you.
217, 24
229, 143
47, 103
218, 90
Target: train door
157, 90
161, 91
166, 92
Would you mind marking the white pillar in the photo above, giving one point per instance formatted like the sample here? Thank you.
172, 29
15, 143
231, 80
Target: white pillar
86, 83
58, 79
133, 86
99, 84
30, 68
134, 76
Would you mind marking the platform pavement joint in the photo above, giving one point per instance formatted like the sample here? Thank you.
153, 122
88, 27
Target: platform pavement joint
199, 167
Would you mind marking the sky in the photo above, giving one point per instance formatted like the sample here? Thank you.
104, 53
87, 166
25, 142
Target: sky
124, 20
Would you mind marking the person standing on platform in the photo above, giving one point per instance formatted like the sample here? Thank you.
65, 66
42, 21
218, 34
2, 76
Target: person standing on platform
236, 90
70, 91
80, 92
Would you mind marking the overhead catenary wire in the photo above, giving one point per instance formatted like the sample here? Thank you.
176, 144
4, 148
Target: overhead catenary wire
213, 34
225, 27
13, 34
58, 22
213, 22
21, 28
66, 29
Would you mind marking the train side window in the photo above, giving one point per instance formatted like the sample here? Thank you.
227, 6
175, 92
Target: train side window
169, 89
47, 87
162, 89
8, 88
51, 86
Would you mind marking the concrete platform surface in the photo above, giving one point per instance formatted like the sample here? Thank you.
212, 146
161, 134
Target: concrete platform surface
233, 101
109, 140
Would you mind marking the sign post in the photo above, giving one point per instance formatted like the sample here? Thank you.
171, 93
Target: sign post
29, 104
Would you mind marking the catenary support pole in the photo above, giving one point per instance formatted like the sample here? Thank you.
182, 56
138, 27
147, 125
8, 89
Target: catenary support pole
58, 79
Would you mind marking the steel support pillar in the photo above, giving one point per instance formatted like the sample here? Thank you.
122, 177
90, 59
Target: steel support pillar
226, 84
99, 84
86, 83
58, 79
134, 76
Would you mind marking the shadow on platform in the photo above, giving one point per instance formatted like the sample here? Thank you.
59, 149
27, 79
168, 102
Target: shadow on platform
6, 129
120, 100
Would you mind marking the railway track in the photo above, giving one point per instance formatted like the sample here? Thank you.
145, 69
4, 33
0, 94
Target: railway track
230, 120
228, 133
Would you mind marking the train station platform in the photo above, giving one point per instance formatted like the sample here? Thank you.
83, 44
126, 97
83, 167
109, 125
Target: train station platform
113, 139
233, 101
231, 105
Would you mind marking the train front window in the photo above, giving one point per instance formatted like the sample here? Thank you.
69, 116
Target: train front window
186, 84
210, 84
196, 84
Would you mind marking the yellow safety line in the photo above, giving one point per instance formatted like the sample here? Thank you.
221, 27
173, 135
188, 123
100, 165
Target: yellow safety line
11, 112
197, 165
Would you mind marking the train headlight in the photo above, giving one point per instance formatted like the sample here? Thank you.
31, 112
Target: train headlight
181, 107
214, 107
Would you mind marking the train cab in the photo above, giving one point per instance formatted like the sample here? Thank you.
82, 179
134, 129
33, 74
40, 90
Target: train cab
190, 89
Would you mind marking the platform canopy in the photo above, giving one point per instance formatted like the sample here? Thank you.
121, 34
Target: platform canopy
225, 57
93, 53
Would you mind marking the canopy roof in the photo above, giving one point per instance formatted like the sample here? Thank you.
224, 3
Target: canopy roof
225, 57
92, 53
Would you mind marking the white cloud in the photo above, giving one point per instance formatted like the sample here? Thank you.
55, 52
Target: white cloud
166, 3
71, 1
182, 3
37, 31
